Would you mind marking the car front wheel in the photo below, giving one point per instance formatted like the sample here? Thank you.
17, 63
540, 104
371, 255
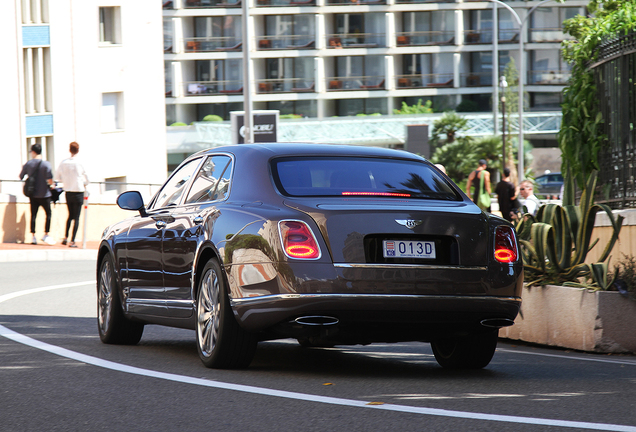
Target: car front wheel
114, 327
474, 352
221, 342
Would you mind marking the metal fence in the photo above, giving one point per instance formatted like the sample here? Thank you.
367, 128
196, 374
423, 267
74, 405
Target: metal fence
614, 75
105, 192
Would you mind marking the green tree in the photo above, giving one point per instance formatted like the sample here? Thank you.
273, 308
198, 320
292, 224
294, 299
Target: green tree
581, 136
446, 128
415, 109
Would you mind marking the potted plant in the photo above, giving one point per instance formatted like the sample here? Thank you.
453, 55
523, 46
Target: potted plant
565, 301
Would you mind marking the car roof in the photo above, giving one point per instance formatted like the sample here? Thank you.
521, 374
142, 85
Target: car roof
270, 150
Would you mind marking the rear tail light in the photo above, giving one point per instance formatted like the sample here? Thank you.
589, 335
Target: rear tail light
505, 244
297, 239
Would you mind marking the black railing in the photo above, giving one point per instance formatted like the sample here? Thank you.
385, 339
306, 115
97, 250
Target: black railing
614, 74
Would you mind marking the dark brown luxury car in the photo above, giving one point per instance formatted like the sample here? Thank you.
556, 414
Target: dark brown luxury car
325, 244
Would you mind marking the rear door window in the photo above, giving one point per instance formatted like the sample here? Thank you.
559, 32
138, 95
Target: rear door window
212, 182
360, 177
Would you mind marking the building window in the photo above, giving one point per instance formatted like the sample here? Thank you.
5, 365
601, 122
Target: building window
112, 111
110, 25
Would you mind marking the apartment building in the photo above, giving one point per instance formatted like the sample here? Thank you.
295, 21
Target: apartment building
324, 58
88, 71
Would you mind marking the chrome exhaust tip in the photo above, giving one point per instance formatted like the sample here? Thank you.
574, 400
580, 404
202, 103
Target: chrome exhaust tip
497, 322
316, 320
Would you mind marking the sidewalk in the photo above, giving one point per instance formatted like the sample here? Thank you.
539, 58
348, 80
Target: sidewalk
14, 252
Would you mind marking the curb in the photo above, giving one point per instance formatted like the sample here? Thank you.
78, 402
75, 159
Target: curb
48, 255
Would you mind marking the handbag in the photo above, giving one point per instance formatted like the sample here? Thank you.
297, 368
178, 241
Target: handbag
56, 191
30, 182
483, 199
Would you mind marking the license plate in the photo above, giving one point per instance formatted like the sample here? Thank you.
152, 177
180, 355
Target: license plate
408, 249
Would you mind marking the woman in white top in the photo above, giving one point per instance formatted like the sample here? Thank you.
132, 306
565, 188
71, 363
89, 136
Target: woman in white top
71, 173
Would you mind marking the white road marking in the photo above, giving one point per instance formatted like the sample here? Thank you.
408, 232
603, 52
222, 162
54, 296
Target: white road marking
106, 364
591, 359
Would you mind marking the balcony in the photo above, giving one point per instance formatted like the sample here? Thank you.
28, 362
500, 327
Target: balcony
197, 4
355, 40
421, 38
286, 42
424, 1
355, 2
283, 3
212, 88
475, 37
554, 35
211, 44
438, 80
558, 77
356, 83
285, 85
476, 79
508, 36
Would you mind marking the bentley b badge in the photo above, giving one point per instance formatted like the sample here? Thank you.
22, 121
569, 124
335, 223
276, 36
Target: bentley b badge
409, 223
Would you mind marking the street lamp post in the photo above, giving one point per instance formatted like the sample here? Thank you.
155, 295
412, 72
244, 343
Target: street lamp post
521, 23
503, 84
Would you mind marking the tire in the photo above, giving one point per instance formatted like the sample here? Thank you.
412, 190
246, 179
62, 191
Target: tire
221, 342
113, 326
474, 352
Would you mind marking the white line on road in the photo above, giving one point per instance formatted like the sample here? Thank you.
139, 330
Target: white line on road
95, 361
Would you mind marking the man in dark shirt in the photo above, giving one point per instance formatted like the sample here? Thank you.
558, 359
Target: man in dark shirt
41, 170
506, 195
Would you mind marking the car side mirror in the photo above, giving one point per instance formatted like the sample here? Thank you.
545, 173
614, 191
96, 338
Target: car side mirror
132, 200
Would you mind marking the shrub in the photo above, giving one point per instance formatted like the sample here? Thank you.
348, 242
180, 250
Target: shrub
212, 117
178, 124
625, 277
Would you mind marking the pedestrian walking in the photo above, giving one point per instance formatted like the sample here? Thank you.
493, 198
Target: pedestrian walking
476, 177
74, 180
506, 195
40, 195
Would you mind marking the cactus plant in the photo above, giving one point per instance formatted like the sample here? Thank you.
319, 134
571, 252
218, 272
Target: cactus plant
555, 243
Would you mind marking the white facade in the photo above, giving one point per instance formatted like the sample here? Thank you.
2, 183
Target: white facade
86, 71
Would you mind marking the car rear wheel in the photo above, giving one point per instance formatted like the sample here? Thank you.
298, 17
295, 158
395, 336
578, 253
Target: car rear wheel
474, 352
114, 327
221, 342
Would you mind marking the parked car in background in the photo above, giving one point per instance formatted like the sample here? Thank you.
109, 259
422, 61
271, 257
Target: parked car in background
549, 185
326, 244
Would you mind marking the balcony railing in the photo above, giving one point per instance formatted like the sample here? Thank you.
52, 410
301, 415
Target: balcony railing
419, 38
211, 4
478, 37
355, 2
209, 88
558, 77
476, 79
285, 85
439, 80
356, 83
208, 44
509, 36
285, 3
424, 1
286, 42
355, 40
548, 35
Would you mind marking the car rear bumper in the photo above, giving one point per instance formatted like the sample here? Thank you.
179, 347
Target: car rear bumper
426, 315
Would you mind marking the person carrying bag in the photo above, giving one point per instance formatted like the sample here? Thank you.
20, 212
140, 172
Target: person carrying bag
483, 200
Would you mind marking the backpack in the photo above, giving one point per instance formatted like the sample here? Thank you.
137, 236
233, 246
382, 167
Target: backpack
30, 182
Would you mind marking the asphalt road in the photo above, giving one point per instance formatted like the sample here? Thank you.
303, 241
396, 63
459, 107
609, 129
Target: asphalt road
56, 375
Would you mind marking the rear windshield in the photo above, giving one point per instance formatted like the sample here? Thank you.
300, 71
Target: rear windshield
360, 176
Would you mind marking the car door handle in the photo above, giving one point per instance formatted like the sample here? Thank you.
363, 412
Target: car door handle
198, 220
160, 224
